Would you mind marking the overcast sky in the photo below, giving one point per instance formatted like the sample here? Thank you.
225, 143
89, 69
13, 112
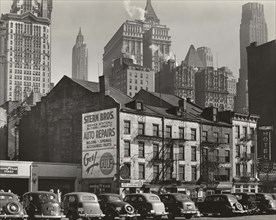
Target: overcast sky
214, 24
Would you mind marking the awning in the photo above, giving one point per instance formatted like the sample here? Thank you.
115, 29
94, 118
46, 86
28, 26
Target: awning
224, 185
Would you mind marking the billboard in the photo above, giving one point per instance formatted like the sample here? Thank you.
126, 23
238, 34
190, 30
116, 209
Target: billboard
99, 139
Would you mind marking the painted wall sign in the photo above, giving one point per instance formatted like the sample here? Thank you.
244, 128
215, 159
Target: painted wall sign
265, 144
8, 170
99, 139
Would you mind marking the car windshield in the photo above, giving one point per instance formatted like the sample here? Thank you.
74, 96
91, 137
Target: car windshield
181, 197
115, 198
153, 198
88, 198
46, 196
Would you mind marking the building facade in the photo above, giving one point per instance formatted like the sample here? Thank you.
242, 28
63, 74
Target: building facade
261, 88
253, 28
231, 87
206, 56
80, 59
129, 78
211, 88
25, 50
146, 41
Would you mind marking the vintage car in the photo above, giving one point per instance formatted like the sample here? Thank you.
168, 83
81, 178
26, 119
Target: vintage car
42, 205
220, 204
248, 201
10, 207
266, 203
178, 205
114, 207
147, 205
83, 205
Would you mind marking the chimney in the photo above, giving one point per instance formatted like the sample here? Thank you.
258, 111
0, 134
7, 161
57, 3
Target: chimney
104, 85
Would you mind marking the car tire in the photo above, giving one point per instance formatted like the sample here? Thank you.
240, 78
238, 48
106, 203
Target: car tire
129, 209
10, 208
238, 206
189, 216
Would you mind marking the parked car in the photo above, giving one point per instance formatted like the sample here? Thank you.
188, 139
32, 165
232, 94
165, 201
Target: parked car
81, 205
266, 203
220, 204
114, 207
42, 205
178, 205
10, 207
148, 205
248, 201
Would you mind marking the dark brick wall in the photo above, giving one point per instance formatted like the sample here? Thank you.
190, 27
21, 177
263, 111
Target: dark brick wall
52, 130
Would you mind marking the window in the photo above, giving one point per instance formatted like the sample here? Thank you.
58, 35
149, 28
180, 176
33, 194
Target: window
227, 173
252, 133
168, 153
169, 173
194, 176
193, 153
227, 156
244, 132
141, 128
237, 131
204, 136
168, 132
181, 133
155, 171
141, 171
238, 169
126, 127
181, 155
216, 139
141, 149
193, 134
238, 151
155, 130
217, 155
182, 172
155, 150
227, 138
127, 148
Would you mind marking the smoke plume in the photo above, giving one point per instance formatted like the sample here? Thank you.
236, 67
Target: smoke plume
134, 11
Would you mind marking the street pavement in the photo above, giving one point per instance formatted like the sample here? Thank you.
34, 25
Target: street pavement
246, 217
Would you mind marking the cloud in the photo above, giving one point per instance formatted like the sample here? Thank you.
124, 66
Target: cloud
134, 11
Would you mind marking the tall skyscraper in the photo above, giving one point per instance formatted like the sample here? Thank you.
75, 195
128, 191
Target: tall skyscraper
146, 41
25, 54
253, 28
80, 59
206, 56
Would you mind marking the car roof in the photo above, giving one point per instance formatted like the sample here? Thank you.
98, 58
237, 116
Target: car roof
174, 194
109, 194
38, 192
80, 193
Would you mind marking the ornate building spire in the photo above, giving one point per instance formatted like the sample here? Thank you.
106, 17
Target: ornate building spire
150, 14
79, 39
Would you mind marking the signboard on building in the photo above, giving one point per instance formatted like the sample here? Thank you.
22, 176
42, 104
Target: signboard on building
8, 169
99, 139
265, 140
132, 183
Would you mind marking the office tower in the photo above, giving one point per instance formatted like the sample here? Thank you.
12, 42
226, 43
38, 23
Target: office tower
262, 95
146, 41
80, 59
231, 86
206, 56
211, 88
129, 77
25, 37
252, 28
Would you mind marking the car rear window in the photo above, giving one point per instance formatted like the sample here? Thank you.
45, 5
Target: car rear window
115, 198
182, 197
154, 198
88, 198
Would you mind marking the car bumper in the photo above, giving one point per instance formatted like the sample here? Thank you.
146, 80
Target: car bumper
13, 216
188, 212
49, 216
91, 215
127, 216
157, 213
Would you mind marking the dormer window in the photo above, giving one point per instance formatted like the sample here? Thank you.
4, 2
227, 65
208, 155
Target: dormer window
139, 105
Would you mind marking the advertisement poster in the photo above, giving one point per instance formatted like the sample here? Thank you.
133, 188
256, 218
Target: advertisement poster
99, 139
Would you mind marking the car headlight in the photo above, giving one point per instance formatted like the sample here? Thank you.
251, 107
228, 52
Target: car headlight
152, 211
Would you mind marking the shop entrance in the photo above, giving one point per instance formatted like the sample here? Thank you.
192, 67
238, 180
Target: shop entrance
64, 185
18, 186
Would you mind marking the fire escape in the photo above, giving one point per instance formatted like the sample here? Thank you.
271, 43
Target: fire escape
212, 161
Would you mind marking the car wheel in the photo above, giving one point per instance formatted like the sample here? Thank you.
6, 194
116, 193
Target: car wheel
129, 209
12, 208
171, 216
238, 206
189, 216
